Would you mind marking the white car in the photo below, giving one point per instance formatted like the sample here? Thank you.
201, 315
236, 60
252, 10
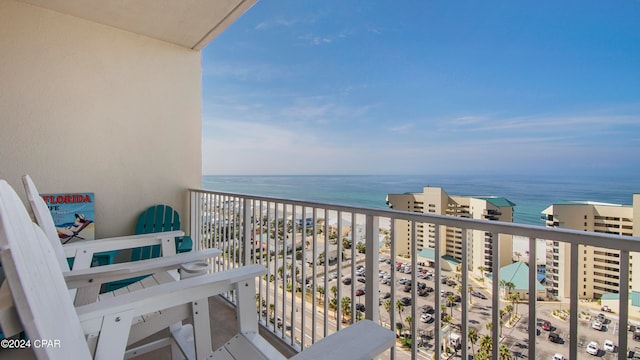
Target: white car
597, 325
592, 348
608, 346
558, 356
426, 318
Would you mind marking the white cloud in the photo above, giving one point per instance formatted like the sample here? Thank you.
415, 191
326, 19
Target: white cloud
259, 72
402, 128
279, 22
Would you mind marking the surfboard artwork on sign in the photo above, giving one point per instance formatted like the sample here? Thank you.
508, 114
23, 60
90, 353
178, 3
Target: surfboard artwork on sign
73, 215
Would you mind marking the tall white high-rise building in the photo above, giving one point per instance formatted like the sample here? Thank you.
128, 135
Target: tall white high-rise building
599, 267
434, 200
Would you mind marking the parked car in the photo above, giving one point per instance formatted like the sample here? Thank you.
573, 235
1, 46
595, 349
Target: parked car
597, 325
359, 292
593, 349
360, 307
555, 338
423, 292
406, 288
608, 346
362, 280
406, 301
451, 282
346, 281
558, 356
445, 293
426, 318
546, 326
478, 294
385, 295
605, 308
427, 309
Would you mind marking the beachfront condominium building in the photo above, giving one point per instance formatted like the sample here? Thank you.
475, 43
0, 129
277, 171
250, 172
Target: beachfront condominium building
434, 200
600, 267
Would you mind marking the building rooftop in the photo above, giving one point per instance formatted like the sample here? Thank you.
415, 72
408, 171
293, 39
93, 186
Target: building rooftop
517, 274
497, 201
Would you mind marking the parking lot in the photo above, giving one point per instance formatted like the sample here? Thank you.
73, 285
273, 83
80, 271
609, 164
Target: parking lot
515, 337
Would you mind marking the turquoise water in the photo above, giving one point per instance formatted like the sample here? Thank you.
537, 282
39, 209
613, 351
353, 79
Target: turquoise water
531, 195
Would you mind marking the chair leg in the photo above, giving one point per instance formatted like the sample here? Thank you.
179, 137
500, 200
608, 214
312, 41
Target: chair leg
202, 328
112, 342
246, 306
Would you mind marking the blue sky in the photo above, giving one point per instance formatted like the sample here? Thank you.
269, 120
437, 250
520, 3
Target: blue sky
425, 87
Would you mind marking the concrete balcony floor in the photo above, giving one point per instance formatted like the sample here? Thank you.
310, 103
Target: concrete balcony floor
223, 327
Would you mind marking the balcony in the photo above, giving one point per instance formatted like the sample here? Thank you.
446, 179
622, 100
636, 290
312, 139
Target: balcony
303, 299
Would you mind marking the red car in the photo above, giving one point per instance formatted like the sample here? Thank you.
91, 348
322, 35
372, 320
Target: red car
359, 292
546, 326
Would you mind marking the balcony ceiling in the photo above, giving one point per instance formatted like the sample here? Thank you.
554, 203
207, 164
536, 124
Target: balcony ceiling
188, 23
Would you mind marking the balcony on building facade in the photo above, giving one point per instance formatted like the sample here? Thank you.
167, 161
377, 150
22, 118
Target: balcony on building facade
490, 214
302, 300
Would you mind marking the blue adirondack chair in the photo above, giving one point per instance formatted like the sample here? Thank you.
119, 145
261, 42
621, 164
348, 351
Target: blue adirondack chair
157, 218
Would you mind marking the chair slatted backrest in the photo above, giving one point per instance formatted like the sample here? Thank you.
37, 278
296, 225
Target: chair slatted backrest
155, 219
38, 289
44, 219
158, 218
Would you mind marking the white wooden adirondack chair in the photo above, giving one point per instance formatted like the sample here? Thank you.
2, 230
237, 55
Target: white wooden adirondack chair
102, 329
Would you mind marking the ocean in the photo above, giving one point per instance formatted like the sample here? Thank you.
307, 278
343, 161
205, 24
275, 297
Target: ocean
530, 194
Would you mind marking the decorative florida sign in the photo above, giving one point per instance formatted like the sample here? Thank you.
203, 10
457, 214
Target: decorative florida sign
73, 215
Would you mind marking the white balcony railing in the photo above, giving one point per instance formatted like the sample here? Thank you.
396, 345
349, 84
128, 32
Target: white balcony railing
296, 298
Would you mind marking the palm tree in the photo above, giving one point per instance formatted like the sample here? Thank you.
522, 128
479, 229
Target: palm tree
387, 306
345, 305
470, 290
503, 283
509, 309
321, 291
333, 305
515, 298
408, 319
443, 310
489, 326
504, 352
334, 291
518, 255
510, 286
501, 313
400, 308
486, 342
482, 270
451, 299
399, 327
473, 338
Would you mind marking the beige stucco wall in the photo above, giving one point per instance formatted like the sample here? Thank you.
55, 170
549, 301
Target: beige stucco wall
89, 108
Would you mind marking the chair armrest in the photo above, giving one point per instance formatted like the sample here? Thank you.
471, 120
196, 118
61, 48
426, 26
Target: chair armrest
104, 274
167, 295
362, 340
